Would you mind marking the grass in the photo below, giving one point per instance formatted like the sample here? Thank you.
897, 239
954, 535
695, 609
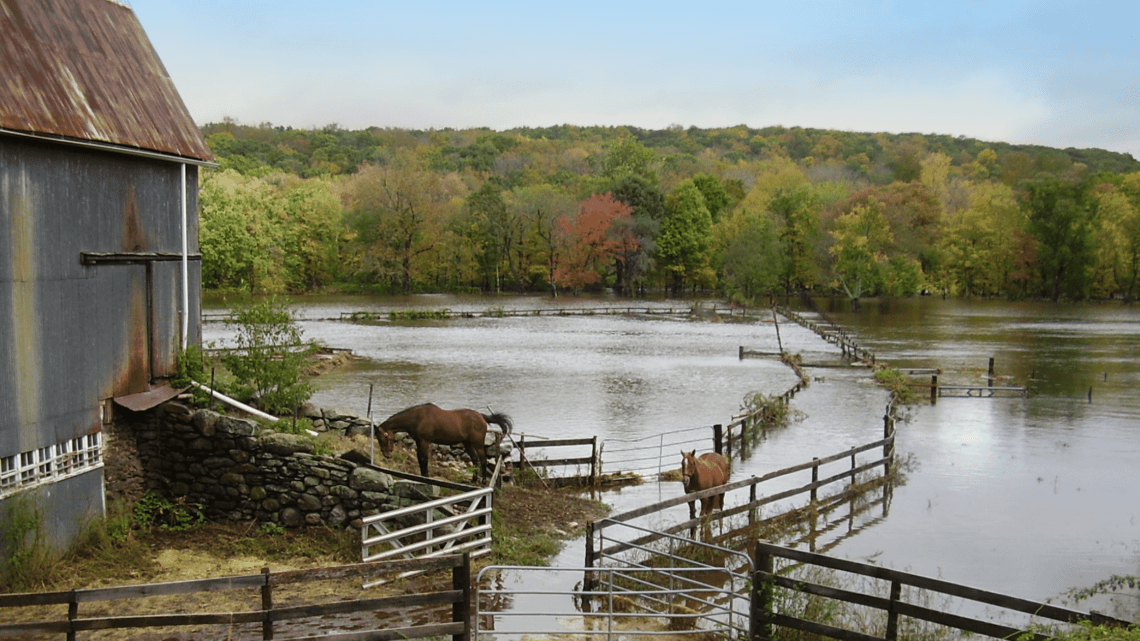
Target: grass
419, 314
531, 523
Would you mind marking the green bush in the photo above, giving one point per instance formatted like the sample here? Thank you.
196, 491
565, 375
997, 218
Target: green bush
153, 510
270, 359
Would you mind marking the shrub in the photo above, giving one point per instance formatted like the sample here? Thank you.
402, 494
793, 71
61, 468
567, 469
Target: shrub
270, 360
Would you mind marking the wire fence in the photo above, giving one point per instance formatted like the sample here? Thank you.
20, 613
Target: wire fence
647, 456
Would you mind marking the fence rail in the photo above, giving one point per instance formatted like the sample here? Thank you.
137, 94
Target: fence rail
766, 579
269, 615
539, 445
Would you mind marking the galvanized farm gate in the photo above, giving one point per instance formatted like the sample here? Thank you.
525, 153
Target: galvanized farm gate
447, 525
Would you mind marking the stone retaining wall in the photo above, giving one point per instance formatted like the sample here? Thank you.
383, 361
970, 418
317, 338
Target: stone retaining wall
239, 471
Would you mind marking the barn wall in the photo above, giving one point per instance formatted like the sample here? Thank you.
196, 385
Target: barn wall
74, 335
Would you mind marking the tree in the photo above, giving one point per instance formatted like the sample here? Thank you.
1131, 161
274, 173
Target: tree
399, 211
495, 230
1116, 238
861, 237
594, 237
240, 233
543, 206
684, 242
979, 245
313, 233
753, 261
797, 210
1060, 213
269, 361
628, 157
648, 204
716, 198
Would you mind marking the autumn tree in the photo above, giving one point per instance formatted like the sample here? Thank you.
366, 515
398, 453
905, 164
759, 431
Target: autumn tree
398, 210
979, 244
593, 237
543, 206
861, 237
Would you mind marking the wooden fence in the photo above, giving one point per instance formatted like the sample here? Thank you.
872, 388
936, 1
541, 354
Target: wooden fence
831, 333
895, 606
538, 445
265, 613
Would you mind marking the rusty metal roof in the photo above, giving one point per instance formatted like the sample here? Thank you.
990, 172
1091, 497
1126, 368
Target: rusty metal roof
85, 70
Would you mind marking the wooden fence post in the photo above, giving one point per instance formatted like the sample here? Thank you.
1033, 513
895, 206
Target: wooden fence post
752, 503
718, 447
461, 609
588, 580
760, 610
594, 462
72, 615
266, 605
888, 447
814, 477
990, 374
892, 612
933, 389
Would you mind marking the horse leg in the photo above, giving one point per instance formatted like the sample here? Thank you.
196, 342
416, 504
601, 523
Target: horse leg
478, 457
423, 451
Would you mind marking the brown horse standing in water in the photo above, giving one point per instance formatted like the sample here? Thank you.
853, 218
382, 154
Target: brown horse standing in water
428, 424
707, 471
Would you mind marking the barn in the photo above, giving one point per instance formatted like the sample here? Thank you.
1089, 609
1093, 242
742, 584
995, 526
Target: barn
99, 264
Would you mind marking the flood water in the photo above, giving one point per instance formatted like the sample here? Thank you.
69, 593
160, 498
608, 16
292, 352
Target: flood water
1024, 496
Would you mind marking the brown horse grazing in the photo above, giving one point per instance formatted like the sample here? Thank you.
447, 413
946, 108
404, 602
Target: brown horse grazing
710, 470
428, 424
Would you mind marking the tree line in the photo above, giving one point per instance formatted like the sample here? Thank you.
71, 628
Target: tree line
741, 211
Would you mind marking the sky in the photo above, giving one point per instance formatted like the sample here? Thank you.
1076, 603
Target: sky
1062, 74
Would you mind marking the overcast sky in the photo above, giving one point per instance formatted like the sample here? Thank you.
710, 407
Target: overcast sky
1063, 74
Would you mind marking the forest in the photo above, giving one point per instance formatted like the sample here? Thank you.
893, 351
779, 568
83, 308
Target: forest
742, 212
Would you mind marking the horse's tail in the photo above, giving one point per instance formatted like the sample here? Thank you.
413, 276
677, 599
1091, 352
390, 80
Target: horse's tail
500, 419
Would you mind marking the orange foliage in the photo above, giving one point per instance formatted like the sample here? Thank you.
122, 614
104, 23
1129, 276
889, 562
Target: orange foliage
598, 235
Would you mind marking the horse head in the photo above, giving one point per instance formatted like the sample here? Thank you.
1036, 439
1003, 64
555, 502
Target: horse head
688, 467
386, 440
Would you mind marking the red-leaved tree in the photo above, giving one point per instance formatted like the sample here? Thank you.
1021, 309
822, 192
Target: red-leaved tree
597, 236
